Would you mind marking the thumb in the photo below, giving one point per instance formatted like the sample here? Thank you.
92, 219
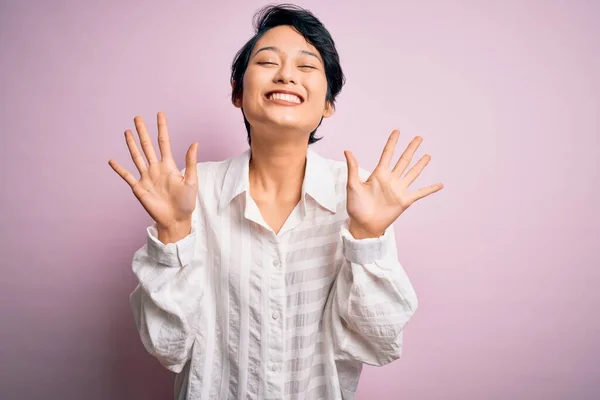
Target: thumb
353, 177
191, 173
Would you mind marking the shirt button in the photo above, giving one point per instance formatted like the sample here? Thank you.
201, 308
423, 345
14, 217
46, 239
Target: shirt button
275, 367
275, 315
276, 263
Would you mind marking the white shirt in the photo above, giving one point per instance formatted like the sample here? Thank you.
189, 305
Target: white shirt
240, 312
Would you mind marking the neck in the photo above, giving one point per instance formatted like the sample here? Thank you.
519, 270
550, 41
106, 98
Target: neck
277, 169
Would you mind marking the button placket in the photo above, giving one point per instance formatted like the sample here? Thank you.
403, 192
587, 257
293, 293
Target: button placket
277, 323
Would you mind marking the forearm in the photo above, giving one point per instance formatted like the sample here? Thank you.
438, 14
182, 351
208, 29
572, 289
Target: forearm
163, 326
166, 303
373, 300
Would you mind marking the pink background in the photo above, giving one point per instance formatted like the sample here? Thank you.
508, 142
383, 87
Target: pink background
504, 260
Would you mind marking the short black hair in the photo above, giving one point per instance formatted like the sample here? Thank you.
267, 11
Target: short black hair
313, 31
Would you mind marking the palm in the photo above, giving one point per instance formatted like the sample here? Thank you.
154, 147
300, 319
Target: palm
167, 196
375, 204
164, 194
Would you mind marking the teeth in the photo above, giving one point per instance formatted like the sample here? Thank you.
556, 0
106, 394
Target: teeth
286, 97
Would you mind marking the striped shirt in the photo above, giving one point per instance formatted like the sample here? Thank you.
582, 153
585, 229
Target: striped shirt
240, 312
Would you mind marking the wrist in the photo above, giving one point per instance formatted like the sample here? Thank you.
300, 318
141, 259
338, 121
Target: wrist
174, 232
359, 232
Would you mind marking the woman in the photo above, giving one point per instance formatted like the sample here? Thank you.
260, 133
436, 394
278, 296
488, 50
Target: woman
273, 274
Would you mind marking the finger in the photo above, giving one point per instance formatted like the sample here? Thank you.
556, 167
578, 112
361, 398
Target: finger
123, 173
407, 156
191, 173
426, 191
145, 140
416, 170
136, 156
388, 150
353, 177
164, 141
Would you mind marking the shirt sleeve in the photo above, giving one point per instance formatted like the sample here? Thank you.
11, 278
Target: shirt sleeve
166, 301
371, 301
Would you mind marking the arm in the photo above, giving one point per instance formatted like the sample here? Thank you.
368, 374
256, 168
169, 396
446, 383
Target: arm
166, 301
372, 300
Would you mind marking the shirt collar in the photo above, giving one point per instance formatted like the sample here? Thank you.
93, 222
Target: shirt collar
318, 180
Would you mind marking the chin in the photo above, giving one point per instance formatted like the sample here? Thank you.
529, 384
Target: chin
292, 126
281, 122
300, 122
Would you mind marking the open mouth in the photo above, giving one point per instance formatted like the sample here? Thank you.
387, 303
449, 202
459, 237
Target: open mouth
284, 96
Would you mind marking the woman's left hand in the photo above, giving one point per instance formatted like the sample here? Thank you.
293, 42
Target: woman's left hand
375, 204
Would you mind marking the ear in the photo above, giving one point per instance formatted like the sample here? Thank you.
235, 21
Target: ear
329, 109
237, 102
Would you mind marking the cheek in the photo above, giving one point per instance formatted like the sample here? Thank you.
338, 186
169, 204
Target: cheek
254, 84
319, 89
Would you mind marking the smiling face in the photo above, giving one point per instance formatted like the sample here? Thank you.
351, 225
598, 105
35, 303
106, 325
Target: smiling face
284, 86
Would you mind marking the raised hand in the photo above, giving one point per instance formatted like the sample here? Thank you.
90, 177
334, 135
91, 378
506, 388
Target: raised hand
375, 204
167, 195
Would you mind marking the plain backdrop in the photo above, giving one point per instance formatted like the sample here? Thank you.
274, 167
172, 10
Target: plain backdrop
505, 259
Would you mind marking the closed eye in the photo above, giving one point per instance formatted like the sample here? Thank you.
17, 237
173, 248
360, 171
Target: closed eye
307, 66
266, 63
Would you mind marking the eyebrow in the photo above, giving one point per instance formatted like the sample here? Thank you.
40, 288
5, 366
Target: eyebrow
277, 50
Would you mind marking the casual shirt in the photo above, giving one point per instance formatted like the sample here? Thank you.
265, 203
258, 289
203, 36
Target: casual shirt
240, 312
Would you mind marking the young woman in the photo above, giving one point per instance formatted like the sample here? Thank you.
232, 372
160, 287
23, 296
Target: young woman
273, 274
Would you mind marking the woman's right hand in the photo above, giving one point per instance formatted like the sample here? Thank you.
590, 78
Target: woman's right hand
165, 194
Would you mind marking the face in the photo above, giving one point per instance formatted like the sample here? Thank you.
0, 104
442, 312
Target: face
284, 85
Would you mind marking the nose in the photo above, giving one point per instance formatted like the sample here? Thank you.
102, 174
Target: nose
286, 73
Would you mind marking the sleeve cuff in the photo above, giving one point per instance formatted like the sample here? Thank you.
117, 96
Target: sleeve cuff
365, 251
175, 255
